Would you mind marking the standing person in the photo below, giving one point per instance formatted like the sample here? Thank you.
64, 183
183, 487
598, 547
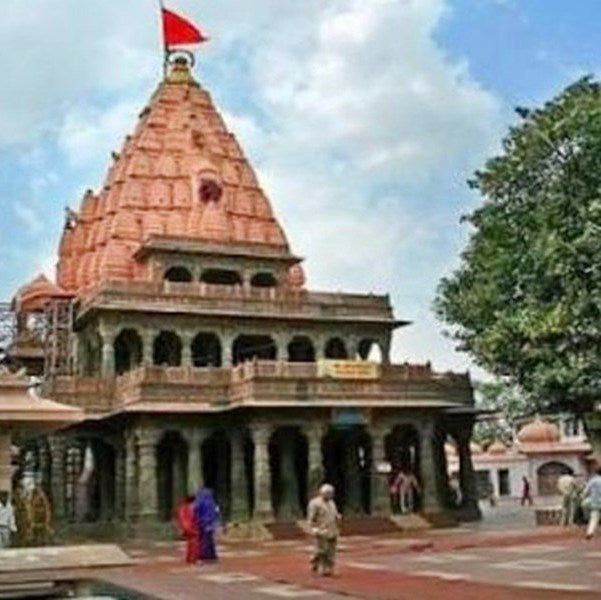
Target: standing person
395, 492
566, 485
592, 500
8, 525
408, 488
323, 517
208, 518
189, 529
526, 493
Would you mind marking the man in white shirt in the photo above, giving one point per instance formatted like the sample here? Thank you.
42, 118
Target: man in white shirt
8, 525
323, 517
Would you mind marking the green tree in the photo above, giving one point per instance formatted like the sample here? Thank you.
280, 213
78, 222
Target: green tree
525, 302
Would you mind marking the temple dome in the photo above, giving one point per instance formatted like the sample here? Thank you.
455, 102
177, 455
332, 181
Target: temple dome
539, 432
35, 294
497, 447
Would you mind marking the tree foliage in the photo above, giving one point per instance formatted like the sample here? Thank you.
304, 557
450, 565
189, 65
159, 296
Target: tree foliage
525, 301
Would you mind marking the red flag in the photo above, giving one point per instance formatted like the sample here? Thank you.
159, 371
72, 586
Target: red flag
178, 30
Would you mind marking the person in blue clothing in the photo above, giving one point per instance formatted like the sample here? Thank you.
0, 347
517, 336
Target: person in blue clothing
592, 501
208, 518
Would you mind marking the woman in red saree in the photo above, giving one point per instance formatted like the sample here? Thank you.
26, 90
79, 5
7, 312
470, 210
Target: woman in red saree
188, 526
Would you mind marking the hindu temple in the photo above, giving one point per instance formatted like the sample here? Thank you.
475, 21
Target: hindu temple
180, 322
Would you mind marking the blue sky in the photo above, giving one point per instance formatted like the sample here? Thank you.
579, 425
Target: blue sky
364, 119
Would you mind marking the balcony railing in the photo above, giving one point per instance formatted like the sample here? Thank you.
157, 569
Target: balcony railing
261, 382
237, 299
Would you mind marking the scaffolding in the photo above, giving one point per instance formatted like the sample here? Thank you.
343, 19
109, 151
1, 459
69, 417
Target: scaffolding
59, 338
7, 329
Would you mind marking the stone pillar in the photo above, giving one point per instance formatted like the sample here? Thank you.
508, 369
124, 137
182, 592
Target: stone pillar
240, 506
261, 473
194, 439
108, 354
467, 477
320, 348
131, 477
352, 347
227, 350
314, 459
352, 477
148, 507
289, 494
120, 482
5, 463
385, 344
147, 349
379, 490
430, 500
57, 451
187, 338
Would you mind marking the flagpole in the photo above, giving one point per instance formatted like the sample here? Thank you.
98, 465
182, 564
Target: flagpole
165, 47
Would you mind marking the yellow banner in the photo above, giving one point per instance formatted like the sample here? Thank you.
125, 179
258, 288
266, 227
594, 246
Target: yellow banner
348, 369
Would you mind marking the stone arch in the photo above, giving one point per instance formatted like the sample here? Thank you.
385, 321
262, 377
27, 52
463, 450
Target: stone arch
548, 474
216, 468
128, 350
369, 349
248, 347
264, 279
347, 456
336, 349
206, 350
171, 476
167, 349
178, 274
288, 462
301, 349
221, 277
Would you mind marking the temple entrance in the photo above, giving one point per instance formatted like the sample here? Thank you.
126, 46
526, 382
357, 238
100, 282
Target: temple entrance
172, 467
548, 475
128, 351
206, 350
288, 464
248, 347
216, 468
402, 451
347, 462
167, 350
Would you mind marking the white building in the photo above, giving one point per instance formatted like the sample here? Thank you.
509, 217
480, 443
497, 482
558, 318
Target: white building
542, 452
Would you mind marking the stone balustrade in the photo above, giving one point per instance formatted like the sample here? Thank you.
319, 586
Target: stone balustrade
267, 382
201, 297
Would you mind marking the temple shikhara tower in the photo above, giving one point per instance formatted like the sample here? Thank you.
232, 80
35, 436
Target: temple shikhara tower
181, 324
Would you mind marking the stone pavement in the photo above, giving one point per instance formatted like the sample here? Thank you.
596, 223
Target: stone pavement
462, 564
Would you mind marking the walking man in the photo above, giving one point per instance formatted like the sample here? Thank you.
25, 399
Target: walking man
526, 493
566, 486
592, 500
8, 525
323, 517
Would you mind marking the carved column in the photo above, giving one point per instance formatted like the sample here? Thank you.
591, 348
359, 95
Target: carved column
195, 439
315, 458
187, 338
352, 346
108, 353
147, 440
147, 349
227, 349
430, 500
379, 490
385, 344
261, 473
462, 434
58, 446
131, 477
320, 348
240, 506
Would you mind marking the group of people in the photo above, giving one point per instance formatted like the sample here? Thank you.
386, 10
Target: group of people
198, 519
581, 503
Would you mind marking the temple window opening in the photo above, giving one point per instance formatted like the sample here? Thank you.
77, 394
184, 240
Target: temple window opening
336, 349
178, 275
301, 349
128, 351
221, 277
264, 280
167, 349
249, 347
206, 350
